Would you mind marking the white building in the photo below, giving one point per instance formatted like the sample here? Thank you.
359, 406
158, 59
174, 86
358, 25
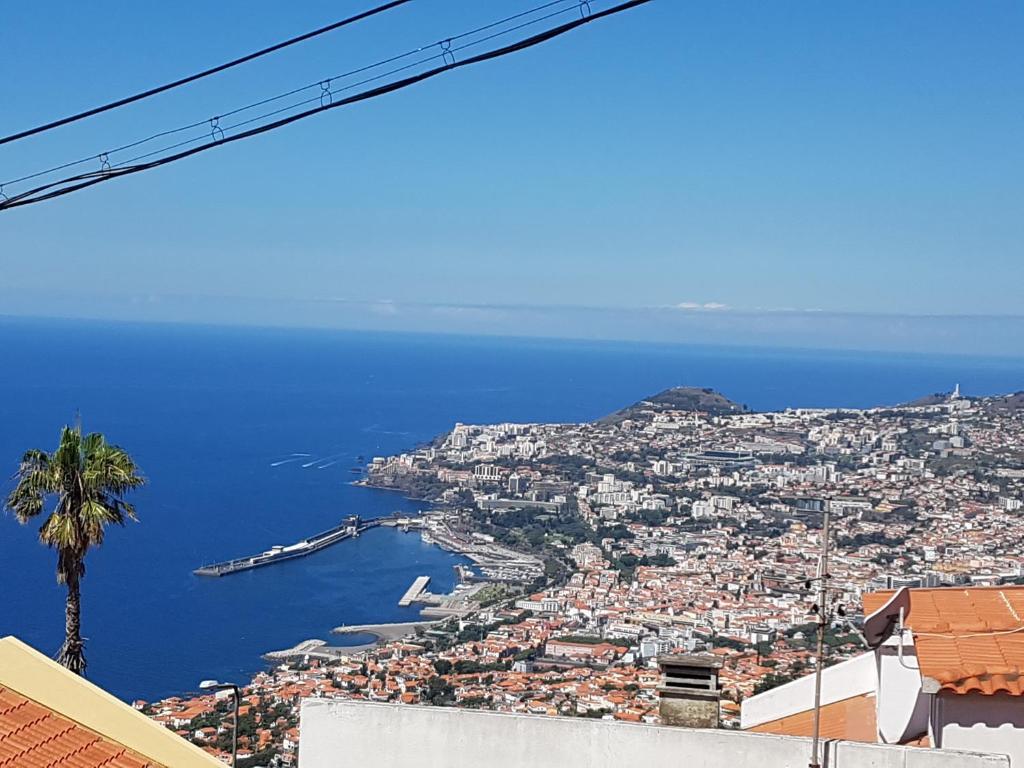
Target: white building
486, 472
516, 483
703, 509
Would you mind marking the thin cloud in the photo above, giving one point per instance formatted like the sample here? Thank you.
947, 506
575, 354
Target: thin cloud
709, 306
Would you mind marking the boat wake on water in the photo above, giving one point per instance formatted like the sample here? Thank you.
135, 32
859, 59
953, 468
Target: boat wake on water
332, 459
293, 457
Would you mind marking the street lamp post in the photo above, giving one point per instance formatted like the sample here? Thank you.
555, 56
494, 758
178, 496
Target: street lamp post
214, 685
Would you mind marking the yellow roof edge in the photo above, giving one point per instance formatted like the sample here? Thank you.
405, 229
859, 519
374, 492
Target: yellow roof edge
34, 676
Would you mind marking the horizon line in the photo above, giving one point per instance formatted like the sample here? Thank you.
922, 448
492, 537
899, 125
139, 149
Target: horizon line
244, 326
714, 308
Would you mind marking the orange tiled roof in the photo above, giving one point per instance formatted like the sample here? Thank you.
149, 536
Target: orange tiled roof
850, 719
967, 639
32, 736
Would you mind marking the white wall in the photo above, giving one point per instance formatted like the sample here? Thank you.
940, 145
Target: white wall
974, 721
845, 680
339, 734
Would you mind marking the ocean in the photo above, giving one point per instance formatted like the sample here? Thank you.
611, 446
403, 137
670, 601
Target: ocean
248, 436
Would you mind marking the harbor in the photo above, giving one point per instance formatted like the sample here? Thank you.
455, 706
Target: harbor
491, 564
494, 562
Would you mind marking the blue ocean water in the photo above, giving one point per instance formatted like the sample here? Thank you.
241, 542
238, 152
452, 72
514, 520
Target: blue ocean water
218, 417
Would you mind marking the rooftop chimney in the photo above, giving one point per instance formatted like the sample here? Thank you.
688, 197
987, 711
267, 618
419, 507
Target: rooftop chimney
689, 691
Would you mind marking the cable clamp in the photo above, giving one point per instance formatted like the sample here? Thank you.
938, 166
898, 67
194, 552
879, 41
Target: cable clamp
326, 97
104, 162
216, 132
585, 11
3, 198
446, 52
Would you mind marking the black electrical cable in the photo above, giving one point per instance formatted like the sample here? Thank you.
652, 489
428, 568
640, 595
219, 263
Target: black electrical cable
206, 121
82, 181
330, 94
205, 73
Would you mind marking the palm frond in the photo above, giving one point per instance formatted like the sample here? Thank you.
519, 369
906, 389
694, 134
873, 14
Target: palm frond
109, 466
35, 480
62, 532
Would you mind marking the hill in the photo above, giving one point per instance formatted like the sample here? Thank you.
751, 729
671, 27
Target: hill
1002, 403
696, 399
935, 399
1014, 402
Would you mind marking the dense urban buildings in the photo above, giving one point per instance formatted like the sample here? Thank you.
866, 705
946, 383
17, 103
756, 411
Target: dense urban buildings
682, 524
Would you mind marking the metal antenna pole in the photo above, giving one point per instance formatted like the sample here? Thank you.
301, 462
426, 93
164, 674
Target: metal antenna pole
822, 625
234, 730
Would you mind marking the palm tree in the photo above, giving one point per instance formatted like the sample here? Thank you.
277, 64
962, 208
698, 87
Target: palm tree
88, 478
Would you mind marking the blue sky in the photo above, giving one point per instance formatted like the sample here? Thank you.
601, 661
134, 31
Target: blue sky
749, 167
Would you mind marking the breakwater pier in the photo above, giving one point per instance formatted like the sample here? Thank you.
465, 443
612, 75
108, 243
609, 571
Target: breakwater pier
350, 527
385, 631
414, 591
312, 649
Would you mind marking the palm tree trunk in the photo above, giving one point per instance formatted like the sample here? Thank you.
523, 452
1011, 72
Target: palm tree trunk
72, 653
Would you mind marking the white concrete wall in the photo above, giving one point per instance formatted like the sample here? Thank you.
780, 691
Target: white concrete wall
974, 721
845, 680
339, 734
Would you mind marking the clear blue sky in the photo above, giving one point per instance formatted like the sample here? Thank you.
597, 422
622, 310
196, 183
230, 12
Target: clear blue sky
848, 157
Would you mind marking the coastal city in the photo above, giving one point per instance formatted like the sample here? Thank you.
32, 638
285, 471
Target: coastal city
512, 384
682, 524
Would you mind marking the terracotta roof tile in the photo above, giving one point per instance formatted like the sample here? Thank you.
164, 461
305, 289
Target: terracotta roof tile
969, 640
32, 736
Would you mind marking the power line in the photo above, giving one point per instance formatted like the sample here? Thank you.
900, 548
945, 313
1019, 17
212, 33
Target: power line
205, 73
81, 181
330, 94
324, 84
